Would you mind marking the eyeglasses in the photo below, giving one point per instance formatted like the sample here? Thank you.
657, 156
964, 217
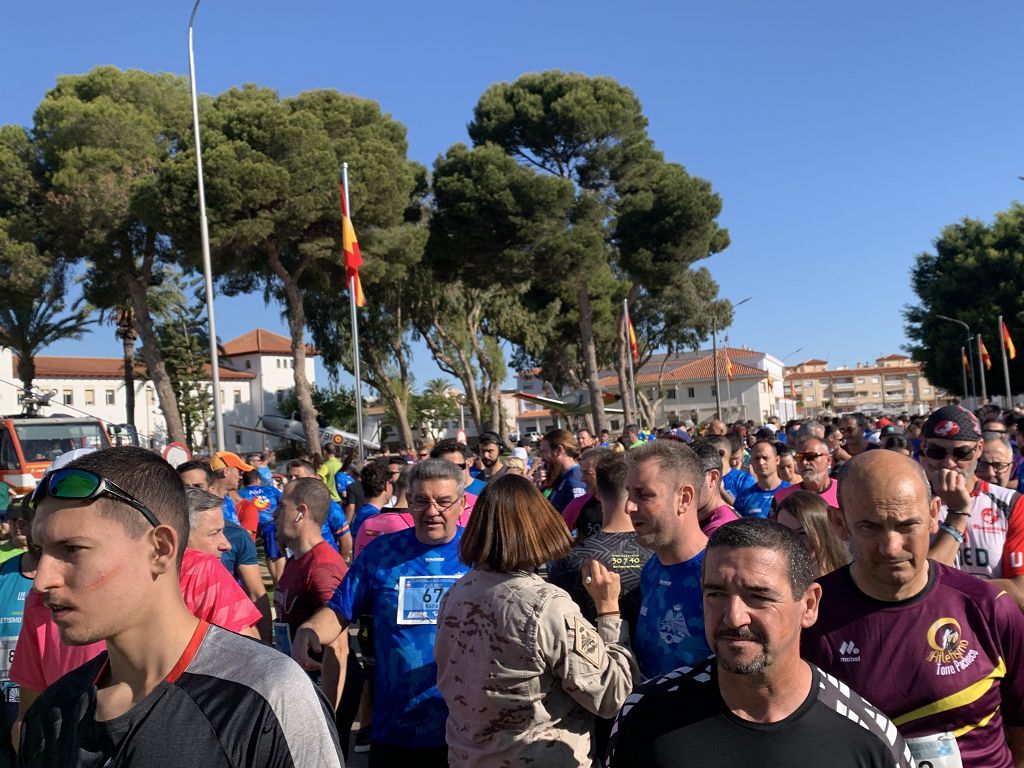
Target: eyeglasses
460, 466
809, 456
82, 485
960, 453
847, 430
998, 466
419, 506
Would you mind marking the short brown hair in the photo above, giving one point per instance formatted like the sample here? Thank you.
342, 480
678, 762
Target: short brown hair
311, 492
513, 528
564, 438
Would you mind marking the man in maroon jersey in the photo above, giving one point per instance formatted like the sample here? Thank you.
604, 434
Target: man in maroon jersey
939, 651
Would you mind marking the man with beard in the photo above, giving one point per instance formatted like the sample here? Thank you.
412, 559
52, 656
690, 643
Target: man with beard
981, 524
813, 462
663, 481
854, 428
489, 450
757, 702
938, 650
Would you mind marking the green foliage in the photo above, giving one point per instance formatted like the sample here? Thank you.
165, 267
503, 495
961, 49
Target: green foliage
179, 307
29, 324
431, 408
336, 407
974, 274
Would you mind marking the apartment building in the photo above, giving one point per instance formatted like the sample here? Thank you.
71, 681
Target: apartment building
894, 384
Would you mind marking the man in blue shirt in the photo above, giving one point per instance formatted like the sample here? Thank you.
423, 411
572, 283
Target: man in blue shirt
735, 481
756, 501
378, 488
560, 453
400, 579
662, 481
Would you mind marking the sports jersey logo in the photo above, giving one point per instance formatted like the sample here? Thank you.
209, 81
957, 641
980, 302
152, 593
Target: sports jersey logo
261, 503
950, 652
946, 429
989, 516
673, 626
849, 652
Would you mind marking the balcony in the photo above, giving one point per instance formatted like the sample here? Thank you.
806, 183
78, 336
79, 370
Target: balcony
842, 385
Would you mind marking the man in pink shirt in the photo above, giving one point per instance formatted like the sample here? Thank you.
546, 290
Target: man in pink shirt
712, 510
813, 462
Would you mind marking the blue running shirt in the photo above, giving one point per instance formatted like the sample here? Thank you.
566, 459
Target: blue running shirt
757, 502
670, 631
408, 710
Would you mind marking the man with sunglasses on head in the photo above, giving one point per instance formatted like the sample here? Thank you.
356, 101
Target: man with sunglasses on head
981, 525
170, 689
399, 580
814, 463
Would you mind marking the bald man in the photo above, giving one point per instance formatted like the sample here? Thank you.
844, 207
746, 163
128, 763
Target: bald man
953, 682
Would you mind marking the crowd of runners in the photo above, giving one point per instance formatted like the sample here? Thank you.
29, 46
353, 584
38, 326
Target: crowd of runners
843, 592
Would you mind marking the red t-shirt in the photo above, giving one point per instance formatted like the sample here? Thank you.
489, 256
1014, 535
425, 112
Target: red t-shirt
307, 584
210, 593
248, 516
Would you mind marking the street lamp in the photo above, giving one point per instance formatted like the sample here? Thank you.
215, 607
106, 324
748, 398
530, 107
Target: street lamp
204, 234
714, 353
970, 338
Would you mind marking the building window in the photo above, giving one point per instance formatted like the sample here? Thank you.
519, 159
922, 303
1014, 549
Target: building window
238, 397
69, 397
809, 384
874, 379
90, 397
248, 364
110, 397
150, 400
615, 425
671, 394
860, 379
927, 390
714, 390
691, 393
278, 361
809, 398
238, 437
279, 395
222, 395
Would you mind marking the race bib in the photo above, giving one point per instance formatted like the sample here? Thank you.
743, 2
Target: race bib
7, 644
282, 638
419, 598
939, 750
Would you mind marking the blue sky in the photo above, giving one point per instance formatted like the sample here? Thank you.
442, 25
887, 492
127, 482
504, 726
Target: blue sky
841, 136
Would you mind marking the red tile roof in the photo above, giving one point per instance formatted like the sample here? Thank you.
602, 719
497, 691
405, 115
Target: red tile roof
699, 369
103, 368
261, 342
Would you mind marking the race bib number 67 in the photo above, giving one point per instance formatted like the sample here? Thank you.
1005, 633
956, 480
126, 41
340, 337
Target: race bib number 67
419, 597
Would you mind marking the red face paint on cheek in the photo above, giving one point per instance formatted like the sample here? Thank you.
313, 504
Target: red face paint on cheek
100, 581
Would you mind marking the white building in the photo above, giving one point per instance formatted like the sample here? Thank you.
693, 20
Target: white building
255, 372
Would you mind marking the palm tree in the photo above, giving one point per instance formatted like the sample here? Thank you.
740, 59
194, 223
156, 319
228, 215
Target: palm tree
29, 325
122, 317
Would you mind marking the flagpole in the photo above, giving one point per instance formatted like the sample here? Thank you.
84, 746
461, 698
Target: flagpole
355, 332
728, 383
963, 370
1006, 364
981, 372
629, 357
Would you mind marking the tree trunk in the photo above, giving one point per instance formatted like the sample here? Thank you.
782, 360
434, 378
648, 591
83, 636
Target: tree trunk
590, 359
154, 359
27, 374
128, 348
404, 430
303, 392
622, 370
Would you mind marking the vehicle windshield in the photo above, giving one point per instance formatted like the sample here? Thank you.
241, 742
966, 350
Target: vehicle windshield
47, 441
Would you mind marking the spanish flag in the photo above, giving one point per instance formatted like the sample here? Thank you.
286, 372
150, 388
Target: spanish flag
963, 359
728, 366
350, 250
633, 346
792, 391
985, 358
1011, 350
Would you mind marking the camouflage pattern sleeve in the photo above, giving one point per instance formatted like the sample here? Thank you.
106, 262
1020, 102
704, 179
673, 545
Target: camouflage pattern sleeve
596, 666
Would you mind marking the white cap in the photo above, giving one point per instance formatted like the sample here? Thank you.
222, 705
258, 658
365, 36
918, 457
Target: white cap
66, 458
520, 453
